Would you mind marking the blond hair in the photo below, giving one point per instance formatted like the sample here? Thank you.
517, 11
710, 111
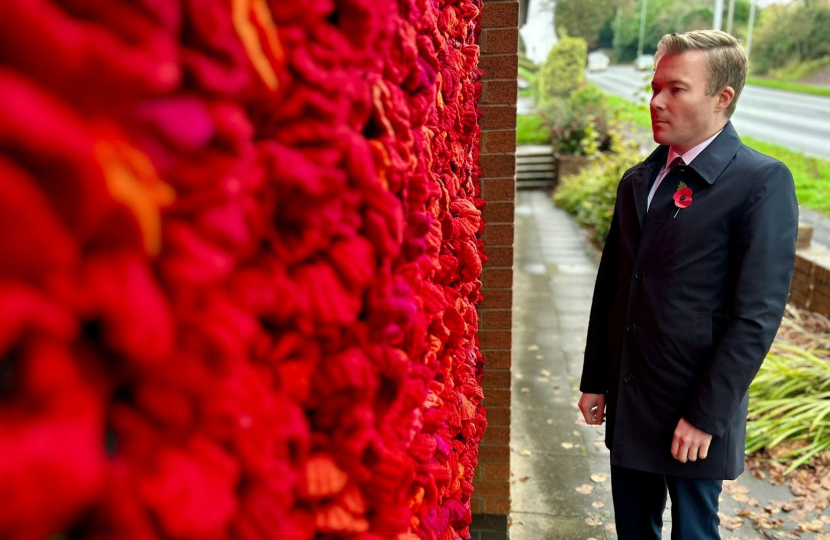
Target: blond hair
726, 57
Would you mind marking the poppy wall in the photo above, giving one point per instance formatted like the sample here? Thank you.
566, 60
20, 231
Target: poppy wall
239, 259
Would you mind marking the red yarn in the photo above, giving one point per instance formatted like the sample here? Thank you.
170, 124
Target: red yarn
241, 257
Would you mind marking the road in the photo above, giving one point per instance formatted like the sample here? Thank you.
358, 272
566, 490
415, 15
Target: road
797, 121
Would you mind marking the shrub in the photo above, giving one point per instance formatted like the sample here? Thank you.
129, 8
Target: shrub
591, 194
563, 70
580, 124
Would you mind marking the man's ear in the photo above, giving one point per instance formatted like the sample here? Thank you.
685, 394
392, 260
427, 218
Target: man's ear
725, 97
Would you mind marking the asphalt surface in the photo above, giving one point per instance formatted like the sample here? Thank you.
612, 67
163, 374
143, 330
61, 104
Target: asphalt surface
793, 120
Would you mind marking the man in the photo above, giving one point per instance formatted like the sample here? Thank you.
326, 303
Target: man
690, 292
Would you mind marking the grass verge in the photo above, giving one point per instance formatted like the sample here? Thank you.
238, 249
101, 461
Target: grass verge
530, 130
790, 86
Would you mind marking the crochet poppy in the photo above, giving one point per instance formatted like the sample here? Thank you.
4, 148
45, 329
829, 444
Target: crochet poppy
240, 268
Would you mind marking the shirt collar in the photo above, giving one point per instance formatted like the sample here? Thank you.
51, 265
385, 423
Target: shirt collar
692, 153
711, 161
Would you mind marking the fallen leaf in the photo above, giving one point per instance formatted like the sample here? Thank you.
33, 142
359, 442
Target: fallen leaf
813, 526
567, 445
585, 489
612, 527
518, 375
599, 444
533, 348
729, 522
597, 504
525, 389
546, 373
593, 521
540, 357
550, 421
524, 453
740, 497
524, 479
576, 433
599, 478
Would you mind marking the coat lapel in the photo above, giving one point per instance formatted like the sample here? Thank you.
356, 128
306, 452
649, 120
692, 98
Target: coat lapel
708, 165
641, 178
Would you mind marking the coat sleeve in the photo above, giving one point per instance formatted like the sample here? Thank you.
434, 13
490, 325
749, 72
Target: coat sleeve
764, 253
597, 363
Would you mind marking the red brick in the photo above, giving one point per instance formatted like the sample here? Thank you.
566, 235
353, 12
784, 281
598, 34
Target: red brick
494, 339
498, 189
498, 117
496, 298
496, 359
498, 212
496, 435
497, 471
497, 398
498, 235
498, 141
496, 378
498, 256
497, 278
500, 14
500, 92
498, 417
493, 454
492, 488
494, 165
498, 506
499, 319
500, 41
476, 504
502, 66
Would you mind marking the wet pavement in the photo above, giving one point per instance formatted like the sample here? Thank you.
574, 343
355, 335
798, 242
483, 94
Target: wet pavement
553, 452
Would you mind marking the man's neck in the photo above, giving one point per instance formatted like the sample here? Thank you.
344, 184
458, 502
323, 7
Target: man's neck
681, 149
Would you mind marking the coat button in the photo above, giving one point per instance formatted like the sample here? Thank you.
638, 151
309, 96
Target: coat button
627, 378
631, 327
640, 275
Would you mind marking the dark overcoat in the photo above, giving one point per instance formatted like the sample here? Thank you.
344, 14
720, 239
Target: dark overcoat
686, 305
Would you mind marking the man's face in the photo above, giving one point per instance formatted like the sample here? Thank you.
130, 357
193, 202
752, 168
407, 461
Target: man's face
682, 115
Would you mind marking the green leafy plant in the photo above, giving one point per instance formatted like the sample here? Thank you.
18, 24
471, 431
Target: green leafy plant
580, 124
789, 399
591, 194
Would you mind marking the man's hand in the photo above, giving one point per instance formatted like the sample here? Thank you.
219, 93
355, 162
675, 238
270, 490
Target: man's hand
689, 442
593, 408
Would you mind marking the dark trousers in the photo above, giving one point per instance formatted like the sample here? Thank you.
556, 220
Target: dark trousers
640, 498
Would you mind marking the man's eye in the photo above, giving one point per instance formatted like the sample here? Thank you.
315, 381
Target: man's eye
676, 90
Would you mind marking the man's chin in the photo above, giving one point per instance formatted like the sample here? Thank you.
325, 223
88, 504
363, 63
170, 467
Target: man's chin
658, 130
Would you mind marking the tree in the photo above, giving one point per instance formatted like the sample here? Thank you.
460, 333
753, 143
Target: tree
585, 19
664, 17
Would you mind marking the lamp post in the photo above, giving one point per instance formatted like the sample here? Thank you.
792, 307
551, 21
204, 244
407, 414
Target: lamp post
718, 23
729, 16
642, 27
752, 4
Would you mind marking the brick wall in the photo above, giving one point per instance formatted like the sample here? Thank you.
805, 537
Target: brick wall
499, 60
810, 287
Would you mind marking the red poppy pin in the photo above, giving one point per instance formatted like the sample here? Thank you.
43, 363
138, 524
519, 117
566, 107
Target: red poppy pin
682, 198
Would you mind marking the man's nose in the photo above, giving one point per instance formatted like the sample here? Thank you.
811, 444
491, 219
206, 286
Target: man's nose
656, 102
